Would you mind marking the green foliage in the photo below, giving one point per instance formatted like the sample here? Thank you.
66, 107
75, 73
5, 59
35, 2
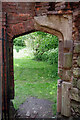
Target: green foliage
18, 48
46, 47
44, 41
43, 44
51, 56
19, 41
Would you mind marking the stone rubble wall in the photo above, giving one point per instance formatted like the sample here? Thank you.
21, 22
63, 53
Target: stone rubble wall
75, 92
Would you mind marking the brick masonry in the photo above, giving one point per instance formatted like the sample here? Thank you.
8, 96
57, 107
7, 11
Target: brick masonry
60, 19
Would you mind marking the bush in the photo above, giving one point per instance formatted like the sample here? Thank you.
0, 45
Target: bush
18, 48
51, 56
46, 47
19, 41
46, 43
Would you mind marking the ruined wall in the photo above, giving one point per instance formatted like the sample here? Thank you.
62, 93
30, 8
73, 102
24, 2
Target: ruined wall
75, 92
18, 19
74, 74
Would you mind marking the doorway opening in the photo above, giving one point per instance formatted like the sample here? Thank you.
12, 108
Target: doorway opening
36, 75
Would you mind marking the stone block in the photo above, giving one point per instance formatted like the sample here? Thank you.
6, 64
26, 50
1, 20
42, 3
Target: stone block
68, 44
78, 84
74, 82
66, 75
67, 62
65, 109
77, 48
78, 61
74, 94
76, 72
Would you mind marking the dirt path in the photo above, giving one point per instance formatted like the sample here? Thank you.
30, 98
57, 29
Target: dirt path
35, 108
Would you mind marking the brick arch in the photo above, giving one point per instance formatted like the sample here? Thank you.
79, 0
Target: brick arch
22, 28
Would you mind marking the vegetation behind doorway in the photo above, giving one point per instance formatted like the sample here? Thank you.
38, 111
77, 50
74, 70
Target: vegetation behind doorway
36, 67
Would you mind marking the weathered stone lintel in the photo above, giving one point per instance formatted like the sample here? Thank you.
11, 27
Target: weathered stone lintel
47, 29
61, 22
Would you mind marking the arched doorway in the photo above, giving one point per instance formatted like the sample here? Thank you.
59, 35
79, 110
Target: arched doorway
61, 28
42, 76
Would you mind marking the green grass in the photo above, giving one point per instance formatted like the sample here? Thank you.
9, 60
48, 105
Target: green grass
34, 78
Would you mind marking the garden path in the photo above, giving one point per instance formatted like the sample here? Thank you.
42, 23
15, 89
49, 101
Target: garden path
35, 108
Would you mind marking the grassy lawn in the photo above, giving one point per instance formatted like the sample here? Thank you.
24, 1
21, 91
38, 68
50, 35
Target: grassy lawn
34, 78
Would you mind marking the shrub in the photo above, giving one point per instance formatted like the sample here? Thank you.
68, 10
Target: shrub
51, 56
46, 47
18, 48
19, 41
